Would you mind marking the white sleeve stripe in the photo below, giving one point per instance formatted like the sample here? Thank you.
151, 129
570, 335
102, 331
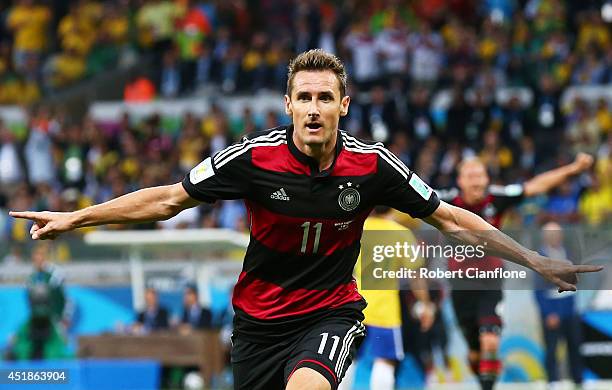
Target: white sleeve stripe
245, 141
507, 190
267, 137
382, 148
229, 152
379, 146
247, 148
447, 194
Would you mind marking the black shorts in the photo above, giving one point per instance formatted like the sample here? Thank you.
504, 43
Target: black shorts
476, 312
327, 346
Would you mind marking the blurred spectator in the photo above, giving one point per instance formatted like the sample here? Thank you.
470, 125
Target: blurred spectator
254, 66
28, 20
64, 68
558, 311
420, 122
497, 157
481, 115
170, 82
76, 31
47, 275
328, 36
139, 89
515, 123
380, 116
562, 205
11, 165
583, 129
192, 27
547, 116
457, 116
596, 203
115, 25
154, 317
41, 336
392, 45
156, 21
427, 55
195, 317
363, 55
38, 149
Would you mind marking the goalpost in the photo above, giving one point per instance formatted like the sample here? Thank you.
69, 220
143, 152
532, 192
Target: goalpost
208, 243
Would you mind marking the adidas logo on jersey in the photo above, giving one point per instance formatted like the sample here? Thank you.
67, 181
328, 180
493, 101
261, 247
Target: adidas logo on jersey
280, 195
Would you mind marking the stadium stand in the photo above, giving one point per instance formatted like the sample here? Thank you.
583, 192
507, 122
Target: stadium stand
403, 59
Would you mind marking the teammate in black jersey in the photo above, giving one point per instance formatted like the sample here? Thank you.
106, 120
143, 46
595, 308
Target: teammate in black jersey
308, 188
476, 312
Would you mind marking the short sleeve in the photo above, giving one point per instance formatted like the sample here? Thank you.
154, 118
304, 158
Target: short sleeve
507, 196
224, 176
403, 190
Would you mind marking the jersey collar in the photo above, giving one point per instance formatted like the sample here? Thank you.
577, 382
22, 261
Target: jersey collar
309, 161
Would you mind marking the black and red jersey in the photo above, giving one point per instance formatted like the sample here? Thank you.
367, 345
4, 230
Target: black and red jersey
491, 208
305, 224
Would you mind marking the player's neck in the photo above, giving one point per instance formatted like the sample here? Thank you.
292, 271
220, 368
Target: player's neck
323, 153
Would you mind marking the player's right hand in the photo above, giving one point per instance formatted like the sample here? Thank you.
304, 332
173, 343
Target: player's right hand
47, 224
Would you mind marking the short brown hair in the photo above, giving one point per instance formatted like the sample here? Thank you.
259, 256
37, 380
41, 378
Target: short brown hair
316, 59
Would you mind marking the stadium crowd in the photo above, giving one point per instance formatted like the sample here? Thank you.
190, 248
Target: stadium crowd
400, 55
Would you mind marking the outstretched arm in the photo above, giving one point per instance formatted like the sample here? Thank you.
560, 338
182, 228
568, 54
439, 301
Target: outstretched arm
469, 228
146, 205
544, 182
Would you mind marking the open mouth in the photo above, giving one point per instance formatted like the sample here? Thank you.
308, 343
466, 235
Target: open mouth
313, 125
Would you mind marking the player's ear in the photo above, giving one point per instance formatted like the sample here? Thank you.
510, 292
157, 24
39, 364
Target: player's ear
344, 105
288, 109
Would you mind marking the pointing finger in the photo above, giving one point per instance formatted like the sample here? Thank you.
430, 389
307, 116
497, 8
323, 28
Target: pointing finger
588, 268
25, 214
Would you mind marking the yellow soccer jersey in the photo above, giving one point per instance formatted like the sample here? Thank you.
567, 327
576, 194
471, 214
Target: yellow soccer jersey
383, 308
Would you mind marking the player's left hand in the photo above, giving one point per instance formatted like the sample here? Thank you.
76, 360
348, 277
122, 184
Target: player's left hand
582, 162
563, 273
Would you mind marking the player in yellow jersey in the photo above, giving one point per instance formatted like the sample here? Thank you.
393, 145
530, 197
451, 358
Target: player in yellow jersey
383, 317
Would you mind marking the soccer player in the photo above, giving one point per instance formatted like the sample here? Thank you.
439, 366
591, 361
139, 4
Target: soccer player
308, 188
476, 312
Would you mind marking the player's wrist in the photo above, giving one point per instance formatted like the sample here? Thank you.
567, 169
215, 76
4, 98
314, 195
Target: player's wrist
76, 219
538, 263
574, 169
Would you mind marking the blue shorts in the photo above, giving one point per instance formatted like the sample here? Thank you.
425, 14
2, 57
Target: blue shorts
384, 343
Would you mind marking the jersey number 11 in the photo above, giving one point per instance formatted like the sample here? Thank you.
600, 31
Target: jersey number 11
306, 226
